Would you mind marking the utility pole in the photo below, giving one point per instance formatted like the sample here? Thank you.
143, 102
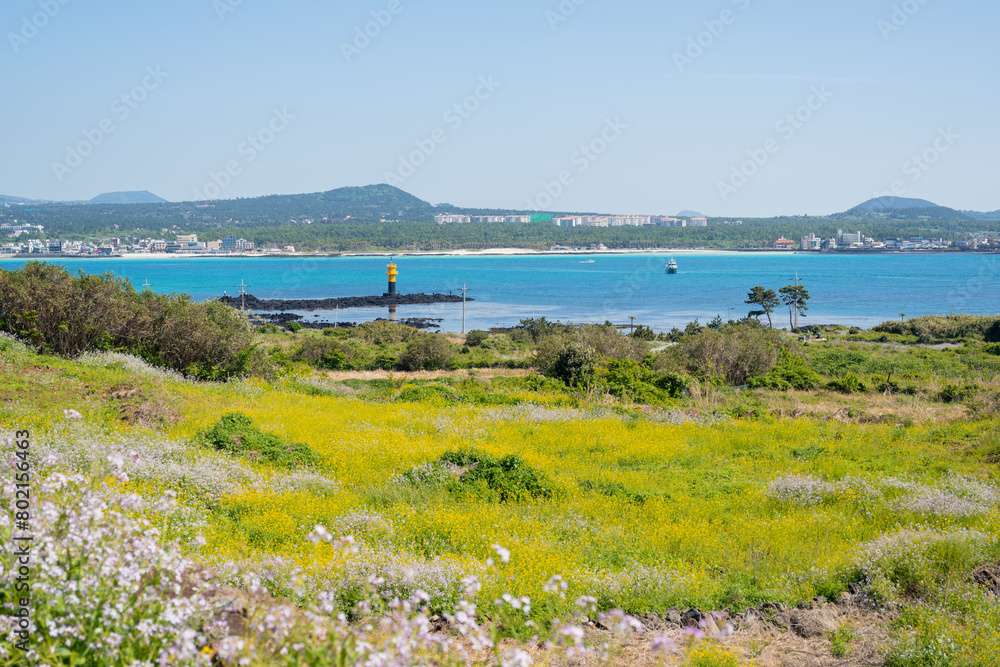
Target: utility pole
631, 324
243, 294
464, 289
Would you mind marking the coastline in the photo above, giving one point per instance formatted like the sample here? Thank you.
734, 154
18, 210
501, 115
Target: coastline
489, 252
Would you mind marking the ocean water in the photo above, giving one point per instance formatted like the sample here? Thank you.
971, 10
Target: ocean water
861, 290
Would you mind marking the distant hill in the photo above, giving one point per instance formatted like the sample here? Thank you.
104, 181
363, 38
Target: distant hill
895, 204
977, 215
132, 197
901, 208
4, 199
370, 202
691, 214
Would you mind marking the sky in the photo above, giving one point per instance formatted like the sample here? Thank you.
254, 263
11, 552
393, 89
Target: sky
728, 107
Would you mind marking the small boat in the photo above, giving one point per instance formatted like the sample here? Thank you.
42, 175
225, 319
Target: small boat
587, 261
672, 266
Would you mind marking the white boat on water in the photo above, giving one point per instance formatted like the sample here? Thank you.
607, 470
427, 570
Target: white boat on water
672, 266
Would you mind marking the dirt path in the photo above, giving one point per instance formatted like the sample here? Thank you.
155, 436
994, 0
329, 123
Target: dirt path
340, 376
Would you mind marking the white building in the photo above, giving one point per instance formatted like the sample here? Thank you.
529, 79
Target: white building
630, 220
452, 219
672, 222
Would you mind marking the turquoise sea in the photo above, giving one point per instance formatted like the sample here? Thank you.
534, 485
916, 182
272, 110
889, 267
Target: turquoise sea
858, 290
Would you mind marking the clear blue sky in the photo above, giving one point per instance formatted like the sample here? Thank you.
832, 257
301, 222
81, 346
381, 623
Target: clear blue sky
229, 65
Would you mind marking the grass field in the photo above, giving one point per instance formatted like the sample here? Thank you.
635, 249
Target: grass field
714, 501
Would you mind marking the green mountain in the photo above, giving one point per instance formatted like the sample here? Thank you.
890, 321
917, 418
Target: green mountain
132, 197
901, 208
371, 202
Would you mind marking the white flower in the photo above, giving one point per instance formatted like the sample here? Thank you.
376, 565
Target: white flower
503, 553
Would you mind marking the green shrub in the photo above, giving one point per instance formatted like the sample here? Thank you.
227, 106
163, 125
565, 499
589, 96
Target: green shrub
644, 333
952, 393
476, 337
849, 383
384, 332
507, 479
235, 434
67, 314
937, 329
385, 359
736, 352
426, 351
993, 334
327, 352
293, 326
574, 364
421, 393
791, 372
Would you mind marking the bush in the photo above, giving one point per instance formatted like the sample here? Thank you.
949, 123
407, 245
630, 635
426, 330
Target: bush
735, 353
384, 332
937, 329
235, 434
791, 372
293, 326
476, 337
573, 353
573, 363
643, 333
325, 352
508, 479
993, 334
426, 351
66, 315
385, 359
850, 383
637, 382
952, 393
69, 314
209, 341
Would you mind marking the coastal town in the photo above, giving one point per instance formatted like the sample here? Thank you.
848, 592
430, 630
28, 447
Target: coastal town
191, 245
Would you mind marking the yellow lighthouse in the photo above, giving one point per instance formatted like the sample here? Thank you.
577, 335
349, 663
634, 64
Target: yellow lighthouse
392, 273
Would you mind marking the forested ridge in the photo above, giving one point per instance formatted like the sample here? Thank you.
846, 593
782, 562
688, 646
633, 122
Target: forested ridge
381, 217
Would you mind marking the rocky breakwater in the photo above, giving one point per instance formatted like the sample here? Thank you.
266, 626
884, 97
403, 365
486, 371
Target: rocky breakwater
280, 305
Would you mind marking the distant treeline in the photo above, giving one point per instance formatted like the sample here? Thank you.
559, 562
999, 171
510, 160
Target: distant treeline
351, 219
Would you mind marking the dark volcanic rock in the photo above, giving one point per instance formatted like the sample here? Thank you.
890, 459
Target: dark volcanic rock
253, 303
